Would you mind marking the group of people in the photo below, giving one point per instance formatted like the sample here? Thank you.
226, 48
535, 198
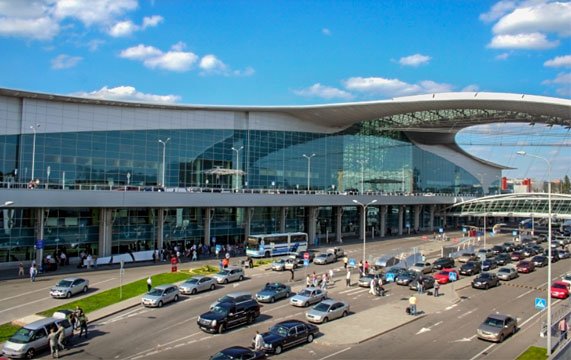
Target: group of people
322, 281
56, 337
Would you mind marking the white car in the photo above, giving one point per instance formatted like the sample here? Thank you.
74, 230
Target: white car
308, 296
197, 284
67, 287
324, 258
160, 295
229, 275
566, 278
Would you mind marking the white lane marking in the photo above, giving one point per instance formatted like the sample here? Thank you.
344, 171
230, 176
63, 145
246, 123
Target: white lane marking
525, 293
335, 353
354, 291
180, 323
467, 313
451, 307
135, 311
423, 330
144, 352
465, 339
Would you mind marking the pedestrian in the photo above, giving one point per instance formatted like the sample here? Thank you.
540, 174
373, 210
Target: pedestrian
412, 303
361, 268
563, 328
61, 336
381, 288
53, 340
366, 267
314, 279
420, 285
324, 281
436, 289
372, 287
307, 281
258, 342
73, 322
82, 325
149, 284
21, 269
345, 260
292, 277
348, 278
331, 276
33, 272
194, 255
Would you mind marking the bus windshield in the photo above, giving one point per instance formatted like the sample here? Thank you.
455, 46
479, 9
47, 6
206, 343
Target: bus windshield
252, 243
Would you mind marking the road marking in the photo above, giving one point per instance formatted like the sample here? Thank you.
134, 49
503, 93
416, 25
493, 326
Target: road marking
525, 293
158, 346
451, 307
467, 313
483, 351
423, 330
335, 353
465, 339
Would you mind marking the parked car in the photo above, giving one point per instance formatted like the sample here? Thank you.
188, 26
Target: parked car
286, 334
467, 256
160, 295
427, 281
32, 338
446, 275
566, 278
528, 251
517, 255
406, 277
273, 291
337, 251
308, 296
327, 310
503, 259
560, 290
489, 264
393, 273
234, 298
443, 262
525, 266
229, 274
197, 284
324, 258
422, 267
485, 280
563, 254
507, 273
539, 260
498, 249
238, 353
67, 287
471, 268
509, 246
386, 261
486, 253
282, 264
365, 280
497, 327
227, 315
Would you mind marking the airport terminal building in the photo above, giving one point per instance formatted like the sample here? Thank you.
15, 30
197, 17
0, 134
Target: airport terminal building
107, 177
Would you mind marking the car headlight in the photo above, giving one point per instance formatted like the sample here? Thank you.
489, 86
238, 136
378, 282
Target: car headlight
213, 322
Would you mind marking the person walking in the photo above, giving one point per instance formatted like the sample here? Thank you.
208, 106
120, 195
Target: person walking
53, 340
412, 302
292, 277
563, 328
324, 281
61, 336
194, 255
83, 325
436, 289
307, 281
73, 322
372, 287
420, 285
33, 272
331, 281
345, 260
258, 341
149, 284
21, 269
366, 267
348, 279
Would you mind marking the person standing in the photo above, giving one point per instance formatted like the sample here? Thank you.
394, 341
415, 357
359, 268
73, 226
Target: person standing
412, 303
61, 336
82, 325
324, 281
53, 340
292, 277
348, 279
258, 341
33, 272
436, 288
372, 287
331, 281
345, 260
21, 269
194, 255
366, 267
563, 328
420, 285
149, 284
307, 281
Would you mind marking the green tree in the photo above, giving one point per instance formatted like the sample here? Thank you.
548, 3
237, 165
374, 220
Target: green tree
566, 187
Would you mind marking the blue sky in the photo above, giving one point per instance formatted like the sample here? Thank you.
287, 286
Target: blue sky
299, 52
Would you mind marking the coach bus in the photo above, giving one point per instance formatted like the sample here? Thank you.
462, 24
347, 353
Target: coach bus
268, 245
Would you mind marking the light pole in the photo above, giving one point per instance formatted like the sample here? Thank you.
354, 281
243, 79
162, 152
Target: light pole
362, 162
48, 172
308, 157
364, 222
237, 163
549, 324
164, 143
34, 127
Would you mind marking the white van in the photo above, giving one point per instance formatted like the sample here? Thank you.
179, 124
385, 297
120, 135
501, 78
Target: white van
33, 338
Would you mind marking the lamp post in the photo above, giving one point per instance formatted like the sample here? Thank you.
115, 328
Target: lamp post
364, 222
164, 143
549, 324
308, 157
34, 127
237, 162
362, 162
48, 172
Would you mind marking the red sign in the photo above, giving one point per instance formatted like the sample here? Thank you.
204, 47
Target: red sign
306, 256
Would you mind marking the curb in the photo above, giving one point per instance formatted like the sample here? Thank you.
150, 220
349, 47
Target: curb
115, 312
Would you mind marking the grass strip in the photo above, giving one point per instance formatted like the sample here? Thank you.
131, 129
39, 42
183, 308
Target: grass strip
534, 353
7, 330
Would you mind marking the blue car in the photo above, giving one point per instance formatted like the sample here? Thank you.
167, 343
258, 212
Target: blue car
393, 273
272, 292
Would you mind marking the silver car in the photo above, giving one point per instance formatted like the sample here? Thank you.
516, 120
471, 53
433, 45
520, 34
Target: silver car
69, 286
282, 264
497, 327
160, 295
308, 296
197, 284
228, 275
507, 273
422, 267
324, 258
327, 310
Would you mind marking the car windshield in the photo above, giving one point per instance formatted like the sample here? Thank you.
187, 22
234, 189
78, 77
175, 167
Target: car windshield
223, 272
504, 270
419, 265
222, 356
445, 273
321, 307
155, 292
218, 309
280, 330
485, 276
322, 255
494, 322
64, 283
272, 287
306, 293
469, 265
191, 281
226, 299
280, 261
21, 336
559, 286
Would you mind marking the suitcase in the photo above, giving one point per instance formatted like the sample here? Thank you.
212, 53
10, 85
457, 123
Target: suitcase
408, 310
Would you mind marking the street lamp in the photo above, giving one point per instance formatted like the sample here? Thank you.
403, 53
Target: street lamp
164, 154
364, 221
308, 157
237, 162
48, 172
362, 162
34, 127
549, 324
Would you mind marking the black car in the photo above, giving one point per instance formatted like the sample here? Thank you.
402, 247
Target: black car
529, 251
238, 352
471, 268
443, 262
427, 283
489, 264
406, 277
509, 246
503, 259
499, 249
485, 280
287, 334
227, 315
539, 260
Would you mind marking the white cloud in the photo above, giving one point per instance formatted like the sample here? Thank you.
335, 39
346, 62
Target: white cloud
211, 64
563, 80
543, 17
502, 56
559, 61
324, 92
498, 10
127, 93
471, 88
100, 12
123, 28
248, 71
326, 31
172, 60
64, 61
533, 41
94, 44
394, 87
39, 28
140, 52
414, 60
152, 21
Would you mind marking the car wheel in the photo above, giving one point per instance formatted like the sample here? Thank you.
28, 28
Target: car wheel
30, 353
175, 298
84, 289
68, 295
501, 338
310, 338
241, 278
212, 287
193, 292
278, 350
221, 328
514, 330
287, 294
225, 281
325, 320
306, 304
344, 313
487, 287
160, 303
251, 319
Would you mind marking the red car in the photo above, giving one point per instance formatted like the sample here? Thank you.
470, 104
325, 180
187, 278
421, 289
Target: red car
446, 275
517, 255
560, 290
525, 266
